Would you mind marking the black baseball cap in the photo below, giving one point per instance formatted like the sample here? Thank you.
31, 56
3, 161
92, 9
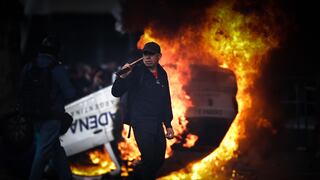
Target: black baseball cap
152, 47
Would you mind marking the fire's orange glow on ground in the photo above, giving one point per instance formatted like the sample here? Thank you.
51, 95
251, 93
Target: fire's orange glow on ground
99, 163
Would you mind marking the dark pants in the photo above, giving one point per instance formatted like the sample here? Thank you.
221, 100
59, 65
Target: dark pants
48, 148
152, 146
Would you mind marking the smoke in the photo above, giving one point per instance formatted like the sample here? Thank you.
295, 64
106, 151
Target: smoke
173, 14
165, 14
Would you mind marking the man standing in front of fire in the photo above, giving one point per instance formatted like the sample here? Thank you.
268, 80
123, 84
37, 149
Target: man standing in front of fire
148, 106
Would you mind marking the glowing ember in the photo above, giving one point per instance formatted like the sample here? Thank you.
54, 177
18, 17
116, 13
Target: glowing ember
190, 140
101, 163
230, 40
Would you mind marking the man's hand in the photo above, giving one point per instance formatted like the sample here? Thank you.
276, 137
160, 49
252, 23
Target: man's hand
127, 73
170, 133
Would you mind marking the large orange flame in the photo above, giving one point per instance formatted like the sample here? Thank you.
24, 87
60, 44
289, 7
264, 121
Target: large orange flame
128, 147
230, 40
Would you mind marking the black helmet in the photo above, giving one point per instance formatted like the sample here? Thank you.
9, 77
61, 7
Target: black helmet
50, 45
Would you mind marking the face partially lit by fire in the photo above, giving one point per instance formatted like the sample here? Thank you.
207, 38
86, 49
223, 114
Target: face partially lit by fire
151, 59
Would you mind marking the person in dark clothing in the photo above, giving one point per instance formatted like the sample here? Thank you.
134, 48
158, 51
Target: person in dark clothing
47, 128
149, 105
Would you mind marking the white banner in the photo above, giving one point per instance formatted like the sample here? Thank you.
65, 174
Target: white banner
92, 125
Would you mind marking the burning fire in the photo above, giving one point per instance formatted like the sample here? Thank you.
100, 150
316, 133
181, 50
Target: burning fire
100, 163
229, 39
128, 148
190, 140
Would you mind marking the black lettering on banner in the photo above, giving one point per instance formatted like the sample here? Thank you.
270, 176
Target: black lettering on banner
90, 108
101, 105
84, 124
93, 121
74, 126
103, 117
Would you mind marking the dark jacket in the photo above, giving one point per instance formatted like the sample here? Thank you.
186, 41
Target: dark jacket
62, 91
148, 98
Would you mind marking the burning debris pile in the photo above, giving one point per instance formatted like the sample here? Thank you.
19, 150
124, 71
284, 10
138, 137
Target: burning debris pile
92, 163
237, 35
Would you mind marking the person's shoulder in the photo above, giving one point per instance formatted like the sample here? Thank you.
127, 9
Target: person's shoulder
140, 66
138, 69
162, 70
